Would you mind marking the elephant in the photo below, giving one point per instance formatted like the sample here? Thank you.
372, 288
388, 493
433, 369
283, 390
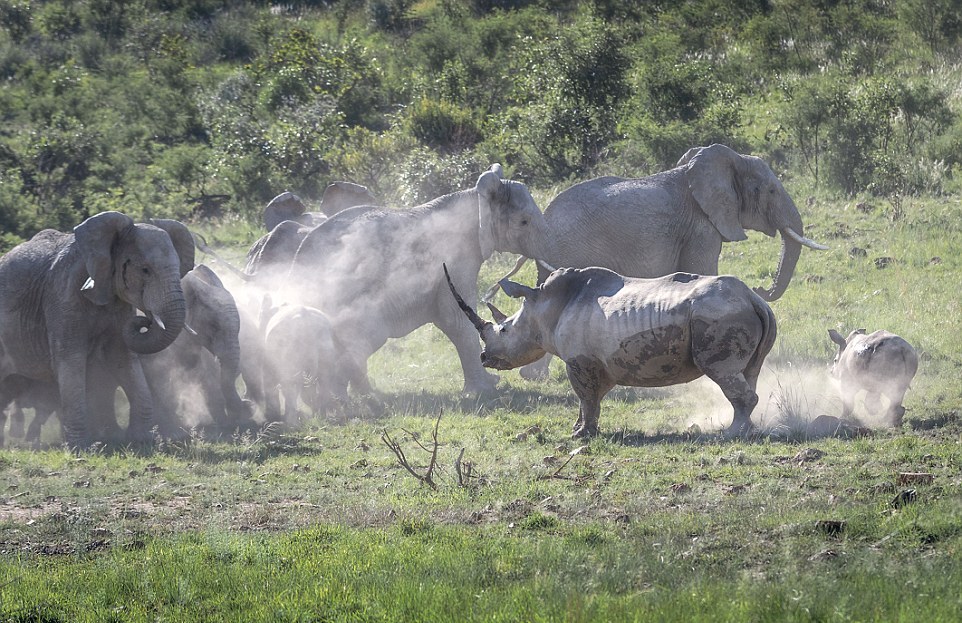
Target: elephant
205, 358
302, 352
69, 296
202, 364
337, 196
271, 255
375, 271
673, 221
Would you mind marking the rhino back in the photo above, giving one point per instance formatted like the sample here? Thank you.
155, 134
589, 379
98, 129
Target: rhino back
880, 357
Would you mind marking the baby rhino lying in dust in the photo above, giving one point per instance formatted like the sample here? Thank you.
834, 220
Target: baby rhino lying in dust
881, 363
613, 330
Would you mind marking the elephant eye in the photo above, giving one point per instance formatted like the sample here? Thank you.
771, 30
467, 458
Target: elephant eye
145, 270
524, 222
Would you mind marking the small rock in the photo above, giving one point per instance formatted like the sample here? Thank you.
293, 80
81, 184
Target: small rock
680, 487
884, 262
855, 252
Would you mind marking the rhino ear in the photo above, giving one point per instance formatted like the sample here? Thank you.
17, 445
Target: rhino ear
516, 290
837, 337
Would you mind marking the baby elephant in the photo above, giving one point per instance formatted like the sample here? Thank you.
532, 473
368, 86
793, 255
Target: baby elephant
301, 356
614, 330
881, 363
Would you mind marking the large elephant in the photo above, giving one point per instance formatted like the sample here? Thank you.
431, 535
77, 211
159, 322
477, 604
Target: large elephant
377, 273
197, 373
672, 221
65, 297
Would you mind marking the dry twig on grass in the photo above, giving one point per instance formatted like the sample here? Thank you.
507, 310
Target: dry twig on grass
428, 476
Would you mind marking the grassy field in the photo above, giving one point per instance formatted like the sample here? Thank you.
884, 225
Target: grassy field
659, 519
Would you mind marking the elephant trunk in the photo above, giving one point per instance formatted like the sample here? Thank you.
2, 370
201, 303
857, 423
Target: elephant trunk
791, 250
162, 324
229, 371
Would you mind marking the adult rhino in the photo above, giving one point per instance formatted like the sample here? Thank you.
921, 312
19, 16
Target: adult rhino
371, 270
614, 330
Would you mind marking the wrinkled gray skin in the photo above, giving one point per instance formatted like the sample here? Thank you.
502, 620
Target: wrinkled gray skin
376, 272
63, 296
205, 357
672, 221
269, 259
881, 364
302, 356
337, 196
613, 330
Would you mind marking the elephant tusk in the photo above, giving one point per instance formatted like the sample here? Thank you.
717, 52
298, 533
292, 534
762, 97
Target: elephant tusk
88, 285
189, 330
490, 292
811, 244
160, 323
548, 267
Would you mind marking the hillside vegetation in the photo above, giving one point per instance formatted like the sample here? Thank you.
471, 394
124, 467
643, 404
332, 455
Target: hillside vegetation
179, 108
205, 110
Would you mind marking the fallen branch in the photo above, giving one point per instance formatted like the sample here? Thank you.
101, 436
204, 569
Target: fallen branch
428, 476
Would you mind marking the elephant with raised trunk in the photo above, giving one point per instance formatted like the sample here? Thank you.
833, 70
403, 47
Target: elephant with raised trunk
65, 297
673, 221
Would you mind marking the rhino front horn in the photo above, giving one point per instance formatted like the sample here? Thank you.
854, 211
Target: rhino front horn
479, 323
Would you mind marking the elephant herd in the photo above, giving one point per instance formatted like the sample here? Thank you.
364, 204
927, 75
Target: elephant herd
118, 304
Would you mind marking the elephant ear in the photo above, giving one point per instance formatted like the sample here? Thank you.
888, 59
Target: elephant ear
94, 238
208, 276
182, 239
686, 158
491, 192
711, 176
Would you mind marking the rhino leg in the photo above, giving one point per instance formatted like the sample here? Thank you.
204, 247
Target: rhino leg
848, 400
873, 402
590, 383
743, 399
895, 410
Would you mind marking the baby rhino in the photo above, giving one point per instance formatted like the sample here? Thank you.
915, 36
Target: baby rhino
881, 363
613, 330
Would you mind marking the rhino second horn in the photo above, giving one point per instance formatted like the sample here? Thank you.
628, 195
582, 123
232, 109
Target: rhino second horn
479, 323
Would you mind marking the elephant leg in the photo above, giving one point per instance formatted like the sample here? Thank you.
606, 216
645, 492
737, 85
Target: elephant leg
537, 371
16, 420
743, 399
477, 380
72, 384
134, 383
291, 389
590, 384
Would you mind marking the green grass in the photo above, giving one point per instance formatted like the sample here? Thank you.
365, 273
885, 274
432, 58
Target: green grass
654, 520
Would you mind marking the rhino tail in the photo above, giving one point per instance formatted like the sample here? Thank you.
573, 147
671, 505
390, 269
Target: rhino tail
769, 333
